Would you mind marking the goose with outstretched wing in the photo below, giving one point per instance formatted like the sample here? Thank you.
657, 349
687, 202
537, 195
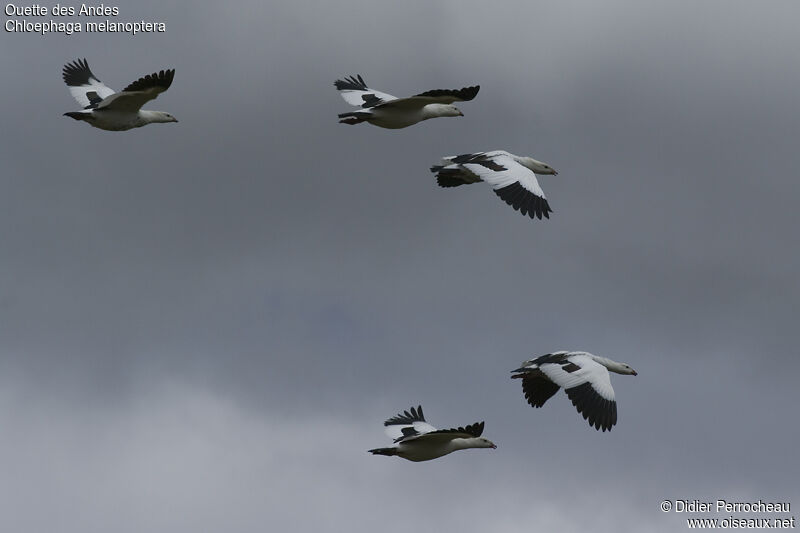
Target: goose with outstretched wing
387, 111
115, 111
416, 440
512, 177
583, 376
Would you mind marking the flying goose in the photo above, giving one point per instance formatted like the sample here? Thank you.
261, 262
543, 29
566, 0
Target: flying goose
585, 380
388, 111
108, 110
512, 177
416, 440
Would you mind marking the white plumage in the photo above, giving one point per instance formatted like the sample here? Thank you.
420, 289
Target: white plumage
512, 177
416, 440
115, 111
388, 111
583, 376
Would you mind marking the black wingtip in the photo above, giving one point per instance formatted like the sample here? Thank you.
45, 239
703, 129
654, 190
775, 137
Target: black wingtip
598, 411
446, 180
524, 201
352, 83
162, 78
537, 389
77, 73
468, 93
464, 94
406, 417
475, 430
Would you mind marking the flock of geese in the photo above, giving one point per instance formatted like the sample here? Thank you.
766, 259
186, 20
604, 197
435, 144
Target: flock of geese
583, 376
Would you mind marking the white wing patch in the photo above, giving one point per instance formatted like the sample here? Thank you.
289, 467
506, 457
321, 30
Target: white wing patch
408, 424
589, 372
355, 92
513, 173
584, 378
84, 85
397, 433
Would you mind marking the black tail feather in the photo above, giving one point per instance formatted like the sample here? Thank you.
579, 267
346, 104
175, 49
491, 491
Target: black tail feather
384, 451
77, 115
353, 117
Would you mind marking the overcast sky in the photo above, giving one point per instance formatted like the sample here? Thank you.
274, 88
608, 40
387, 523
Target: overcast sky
203, 325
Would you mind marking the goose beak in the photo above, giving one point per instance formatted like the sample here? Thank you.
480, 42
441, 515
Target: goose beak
635, 373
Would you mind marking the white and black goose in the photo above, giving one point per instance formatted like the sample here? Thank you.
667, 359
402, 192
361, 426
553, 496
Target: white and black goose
585, 379
388, 111
416, 440
115, 111
512, 177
